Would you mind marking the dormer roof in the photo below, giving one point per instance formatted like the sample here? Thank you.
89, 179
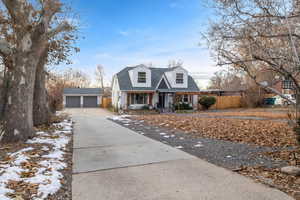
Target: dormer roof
156, 76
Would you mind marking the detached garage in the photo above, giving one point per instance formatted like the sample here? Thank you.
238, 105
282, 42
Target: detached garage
82, 97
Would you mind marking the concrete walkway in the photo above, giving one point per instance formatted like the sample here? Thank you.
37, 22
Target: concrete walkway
114, 163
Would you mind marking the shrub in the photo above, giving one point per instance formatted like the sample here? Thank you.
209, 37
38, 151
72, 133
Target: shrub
183, 106
253, 97
207, 101
145, 107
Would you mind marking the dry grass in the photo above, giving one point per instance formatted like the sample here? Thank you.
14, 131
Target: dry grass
269, 115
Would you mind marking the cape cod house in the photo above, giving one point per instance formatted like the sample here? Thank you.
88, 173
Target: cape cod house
155, 88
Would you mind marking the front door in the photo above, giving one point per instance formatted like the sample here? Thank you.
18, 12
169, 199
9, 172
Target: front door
161, 100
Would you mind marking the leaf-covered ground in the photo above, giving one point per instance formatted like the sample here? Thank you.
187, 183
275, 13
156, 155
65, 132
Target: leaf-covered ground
249, 113
41, 167
274, 178
258, 132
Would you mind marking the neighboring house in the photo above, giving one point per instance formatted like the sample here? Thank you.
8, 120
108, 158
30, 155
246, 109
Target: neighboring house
82, 97
283, 86
154, 87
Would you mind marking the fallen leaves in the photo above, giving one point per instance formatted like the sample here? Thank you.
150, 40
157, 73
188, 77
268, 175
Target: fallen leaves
274, 178
260, 114
258, 132
22, 190
35, 169
290, 156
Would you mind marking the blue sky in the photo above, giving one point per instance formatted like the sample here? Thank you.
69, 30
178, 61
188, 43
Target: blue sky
119, 33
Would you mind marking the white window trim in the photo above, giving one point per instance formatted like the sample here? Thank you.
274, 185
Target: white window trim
143, 78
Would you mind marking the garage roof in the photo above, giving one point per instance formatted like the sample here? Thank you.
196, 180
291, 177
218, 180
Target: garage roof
96, 91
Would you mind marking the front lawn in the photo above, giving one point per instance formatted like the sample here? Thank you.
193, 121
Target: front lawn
270, 113
258, 132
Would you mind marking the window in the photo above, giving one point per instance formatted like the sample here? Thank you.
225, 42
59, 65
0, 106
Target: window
139, 99
179, 78
287, 84
141, 77
185, 98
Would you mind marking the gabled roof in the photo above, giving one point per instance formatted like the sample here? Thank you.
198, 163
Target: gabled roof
96, 91
163, 84
156, 75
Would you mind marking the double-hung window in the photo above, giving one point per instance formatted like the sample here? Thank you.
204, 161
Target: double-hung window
141, 77
139, 98
179, 78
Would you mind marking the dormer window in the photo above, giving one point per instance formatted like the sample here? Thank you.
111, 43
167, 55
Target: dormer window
179, 78
141, 77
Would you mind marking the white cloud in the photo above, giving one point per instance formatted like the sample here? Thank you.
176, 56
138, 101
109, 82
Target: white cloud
124, 33
102, 55
173, 5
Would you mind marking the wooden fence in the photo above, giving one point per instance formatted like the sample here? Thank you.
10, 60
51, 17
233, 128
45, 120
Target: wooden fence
224, 102
106, 102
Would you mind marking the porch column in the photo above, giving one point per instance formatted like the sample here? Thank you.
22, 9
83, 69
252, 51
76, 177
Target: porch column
128, 99
150, 96
195, 102
124, 100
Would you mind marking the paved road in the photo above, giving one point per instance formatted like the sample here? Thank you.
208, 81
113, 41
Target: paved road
114, 163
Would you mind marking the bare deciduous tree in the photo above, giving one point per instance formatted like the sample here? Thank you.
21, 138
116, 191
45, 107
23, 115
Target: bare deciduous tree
258, 35
227, 80
76, 78
99, 73
58, 50
26, 28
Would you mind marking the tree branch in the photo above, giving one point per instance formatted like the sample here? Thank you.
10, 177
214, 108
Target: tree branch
50, 8
5, 48
64, 26
267, 15
15, 10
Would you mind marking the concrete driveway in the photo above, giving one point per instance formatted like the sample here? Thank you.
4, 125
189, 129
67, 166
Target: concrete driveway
114, 163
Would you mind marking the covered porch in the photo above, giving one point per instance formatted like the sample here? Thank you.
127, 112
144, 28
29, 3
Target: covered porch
162, 100
140, 99
186, 101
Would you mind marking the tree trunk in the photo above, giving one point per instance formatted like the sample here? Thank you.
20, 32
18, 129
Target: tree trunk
41, 109
16, 117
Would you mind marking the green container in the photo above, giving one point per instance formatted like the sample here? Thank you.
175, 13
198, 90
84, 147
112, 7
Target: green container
269, 101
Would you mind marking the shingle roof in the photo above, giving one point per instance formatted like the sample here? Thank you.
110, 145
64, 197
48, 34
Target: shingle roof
96, 91
156, 74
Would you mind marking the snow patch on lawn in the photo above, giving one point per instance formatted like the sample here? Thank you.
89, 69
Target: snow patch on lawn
198, 145
48, 177
121, 118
